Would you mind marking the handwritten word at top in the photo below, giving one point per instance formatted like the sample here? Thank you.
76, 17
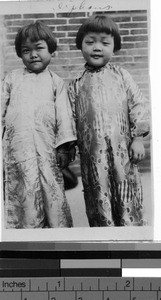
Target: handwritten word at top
73, 6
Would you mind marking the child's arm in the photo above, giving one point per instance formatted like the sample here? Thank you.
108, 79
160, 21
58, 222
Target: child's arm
65, 123
138, 107
139, 115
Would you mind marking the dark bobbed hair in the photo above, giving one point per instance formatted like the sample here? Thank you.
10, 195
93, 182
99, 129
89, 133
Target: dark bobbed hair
99, 23
35, 32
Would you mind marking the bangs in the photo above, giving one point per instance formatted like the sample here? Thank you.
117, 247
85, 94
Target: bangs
33, 33
100, 25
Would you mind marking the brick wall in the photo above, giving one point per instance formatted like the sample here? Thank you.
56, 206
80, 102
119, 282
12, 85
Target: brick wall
68, 61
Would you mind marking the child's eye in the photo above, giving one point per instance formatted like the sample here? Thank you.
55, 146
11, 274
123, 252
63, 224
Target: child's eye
25, 51
40, 47
105, 43
89, 42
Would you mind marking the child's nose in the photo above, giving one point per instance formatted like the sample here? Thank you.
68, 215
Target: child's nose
33, 53
97, 47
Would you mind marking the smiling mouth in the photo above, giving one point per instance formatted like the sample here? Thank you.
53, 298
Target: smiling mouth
96, 56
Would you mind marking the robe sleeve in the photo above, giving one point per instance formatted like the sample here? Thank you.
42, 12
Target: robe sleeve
65, 125
138, 107
5, 99
72, 96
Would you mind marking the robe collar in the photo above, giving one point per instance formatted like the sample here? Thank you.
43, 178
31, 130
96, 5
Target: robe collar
94, 69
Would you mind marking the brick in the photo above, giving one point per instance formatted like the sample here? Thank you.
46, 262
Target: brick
141, 45
142, 72
72, 70
122, 59
136, 65
121, 52
141, 58
71, 34
59, 34
57, 68
127, 45
70, 54
124, 32
72, 47
13, 29
140, 12
77, 60
19, 22
68, 28
133, 25
71, 67
71, 15
121, 19
11, 36
54, 21
139, 31
135, 52
52, 28
142, 79
76, 21
60, 61
139, 18
9, 17
38, 16
134, 38
63, 47
67, 41
119, 14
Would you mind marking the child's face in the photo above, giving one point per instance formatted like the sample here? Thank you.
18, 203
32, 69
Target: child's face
97, 48
35, 55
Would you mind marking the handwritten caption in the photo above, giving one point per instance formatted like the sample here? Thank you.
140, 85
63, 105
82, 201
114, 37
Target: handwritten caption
84, 5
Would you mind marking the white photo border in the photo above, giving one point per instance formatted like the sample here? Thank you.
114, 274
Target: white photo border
75, 234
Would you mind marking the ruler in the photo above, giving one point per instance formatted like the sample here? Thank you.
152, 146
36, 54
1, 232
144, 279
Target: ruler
78, 288
47, 271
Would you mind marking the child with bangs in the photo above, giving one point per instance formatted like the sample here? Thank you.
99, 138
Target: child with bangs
111, 116
38, 135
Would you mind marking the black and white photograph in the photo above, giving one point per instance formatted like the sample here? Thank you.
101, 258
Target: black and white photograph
76, 121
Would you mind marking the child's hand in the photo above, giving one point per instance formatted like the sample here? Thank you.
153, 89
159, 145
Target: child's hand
137, 151
72, 152
65, 155
62, 158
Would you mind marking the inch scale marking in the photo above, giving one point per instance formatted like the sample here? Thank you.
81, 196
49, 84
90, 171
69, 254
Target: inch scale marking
78, 288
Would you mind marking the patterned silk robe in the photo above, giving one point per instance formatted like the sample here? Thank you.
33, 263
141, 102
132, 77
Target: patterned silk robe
37, 117
109, 111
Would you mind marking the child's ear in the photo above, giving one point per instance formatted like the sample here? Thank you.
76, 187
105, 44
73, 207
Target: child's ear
53, 54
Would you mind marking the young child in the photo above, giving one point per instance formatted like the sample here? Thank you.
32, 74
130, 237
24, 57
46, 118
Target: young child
38, 132
111, 121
